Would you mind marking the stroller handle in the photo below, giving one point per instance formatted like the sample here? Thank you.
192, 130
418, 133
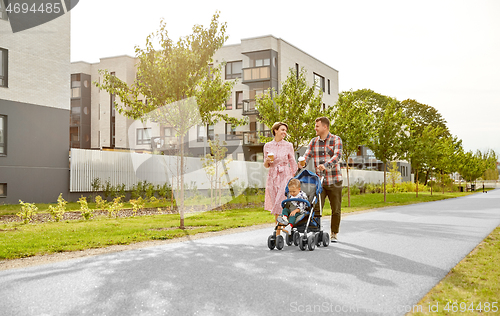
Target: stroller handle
295, 199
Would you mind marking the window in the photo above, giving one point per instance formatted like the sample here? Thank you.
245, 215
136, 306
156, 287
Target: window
239, 99
3, 189
297, 70
4, 60
231, 133
233, 69
319, 82
143, 136
229, 102
205, 131
262, 62
328, 86
3, 135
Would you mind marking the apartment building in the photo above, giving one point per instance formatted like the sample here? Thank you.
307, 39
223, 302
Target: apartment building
34, 111
256, 64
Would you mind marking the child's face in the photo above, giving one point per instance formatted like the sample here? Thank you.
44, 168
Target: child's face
294, 190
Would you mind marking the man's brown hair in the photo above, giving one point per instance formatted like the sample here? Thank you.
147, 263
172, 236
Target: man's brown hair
324, 121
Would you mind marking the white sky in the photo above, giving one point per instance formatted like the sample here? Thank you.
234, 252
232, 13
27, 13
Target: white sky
444, 53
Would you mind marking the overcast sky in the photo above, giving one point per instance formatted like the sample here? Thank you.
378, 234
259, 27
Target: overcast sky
444, 53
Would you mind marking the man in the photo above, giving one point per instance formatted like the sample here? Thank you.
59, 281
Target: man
326, 151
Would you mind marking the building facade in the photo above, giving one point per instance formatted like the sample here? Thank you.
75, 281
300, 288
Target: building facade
256, 64
34, 111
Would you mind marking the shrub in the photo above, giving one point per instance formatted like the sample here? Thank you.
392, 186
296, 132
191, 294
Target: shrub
57, 212
100, 203
149, 190
137, 205
27, 211
120, 191
114, 207
85, 211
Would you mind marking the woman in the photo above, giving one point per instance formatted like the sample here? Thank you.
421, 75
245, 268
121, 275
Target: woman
281, 168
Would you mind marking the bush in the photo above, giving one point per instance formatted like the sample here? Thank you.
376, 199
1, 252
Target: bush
137, 205
114, 207
85, 211
27, 211
57, 212
101, 204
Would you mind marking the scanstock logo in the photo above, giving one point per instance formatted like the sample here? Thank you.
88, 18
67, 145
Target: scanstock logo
26, 14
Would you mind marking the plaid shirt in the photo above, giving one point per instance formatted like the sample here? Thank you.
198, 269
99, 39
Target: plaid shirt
327, 152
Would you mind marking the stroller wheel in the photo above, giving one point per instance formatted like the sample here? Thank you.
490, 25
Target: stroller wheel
280, 242
326, 239
303, 242
318, 239
271, 242
311, 242
296, 238
289, 239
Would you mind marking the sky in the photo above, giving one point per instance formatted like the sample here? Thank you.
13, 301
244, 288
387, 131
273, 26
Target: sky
443, 53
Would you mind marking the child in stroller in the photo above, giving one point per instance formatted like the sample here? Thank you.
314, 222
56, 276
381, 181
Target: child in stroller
296, 208
307, 230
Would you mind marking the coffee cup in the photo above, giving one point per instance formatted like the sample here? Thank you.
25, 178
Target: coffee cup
271, 156
302, 162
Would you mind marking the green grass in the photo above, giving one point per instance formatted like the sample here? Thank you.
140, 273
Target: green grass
18, 240
474, 280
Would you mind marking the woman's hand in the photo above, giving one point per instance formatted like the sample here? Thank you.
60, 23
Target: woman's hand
267, 162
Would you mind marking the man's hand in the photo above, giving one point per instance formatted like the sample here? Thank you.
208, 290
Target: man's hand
321, 167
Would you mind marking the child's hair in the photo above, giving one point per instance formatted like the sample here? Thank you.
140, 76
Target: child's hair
294, 183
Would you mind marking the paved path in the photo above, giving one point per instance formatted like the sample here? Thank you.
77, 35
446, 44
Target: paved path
386, 261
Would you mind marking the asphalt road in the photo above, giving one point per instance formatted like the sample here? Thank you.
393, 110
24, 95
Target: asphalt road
385, 262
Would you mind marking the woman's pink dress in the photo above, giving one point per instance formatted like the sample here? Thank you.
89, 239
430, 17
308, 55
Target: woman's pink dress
280, 172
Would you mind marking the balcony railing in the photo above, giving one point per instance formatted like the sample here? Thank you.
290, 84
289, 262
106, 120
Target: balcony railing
249, 107
256, 73
252, 138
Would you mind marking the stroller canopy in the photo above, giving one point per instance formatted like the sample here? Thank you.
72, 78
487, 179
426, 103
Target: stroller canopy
306, 176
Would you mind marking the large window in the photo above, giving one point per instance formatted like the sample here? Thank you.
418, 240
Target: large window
143, 136
3, 135
239, 99
229, 102
3, 189
205, 131
319, 82
233, 69
4, 62
231, 133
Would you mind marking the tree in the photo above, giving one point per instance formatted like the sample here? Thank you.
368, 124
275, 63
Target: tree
471, 166
447, 152
391, 128
352, 121
212, 165
491, 172
420, 150
297, 105
170, 77
423, 115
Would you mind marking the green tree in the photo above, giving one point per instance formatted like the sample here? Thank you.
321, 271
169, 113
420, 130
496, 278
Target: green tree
297, 105
170, 76
352, 121
447, 153
216, 167
420, 150
391, 128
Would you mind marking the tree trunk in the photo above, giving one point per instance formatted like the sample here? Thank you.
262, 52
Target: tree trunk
181, 206
348, 187
416, 183
442, 179
385, 199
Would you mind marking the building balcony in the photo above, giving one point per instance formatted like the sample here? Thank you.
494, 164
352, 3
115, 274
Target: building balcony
252, 138
256, 74
249, 107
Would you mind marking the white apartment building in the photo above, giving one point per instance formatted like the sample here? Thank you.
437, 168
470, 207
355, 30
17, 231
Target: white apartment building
34, 110
256, 64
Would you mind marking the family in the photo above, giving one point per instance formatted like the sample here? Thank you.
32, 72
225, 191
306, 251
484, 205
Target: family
325, 151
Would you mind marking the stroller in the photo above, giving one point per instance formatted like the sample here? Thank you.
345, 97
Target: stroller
307, 232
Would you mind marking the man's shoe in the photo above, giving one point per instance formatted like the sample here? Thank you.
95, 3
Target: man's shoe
287, 229
334, 238
282, 220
